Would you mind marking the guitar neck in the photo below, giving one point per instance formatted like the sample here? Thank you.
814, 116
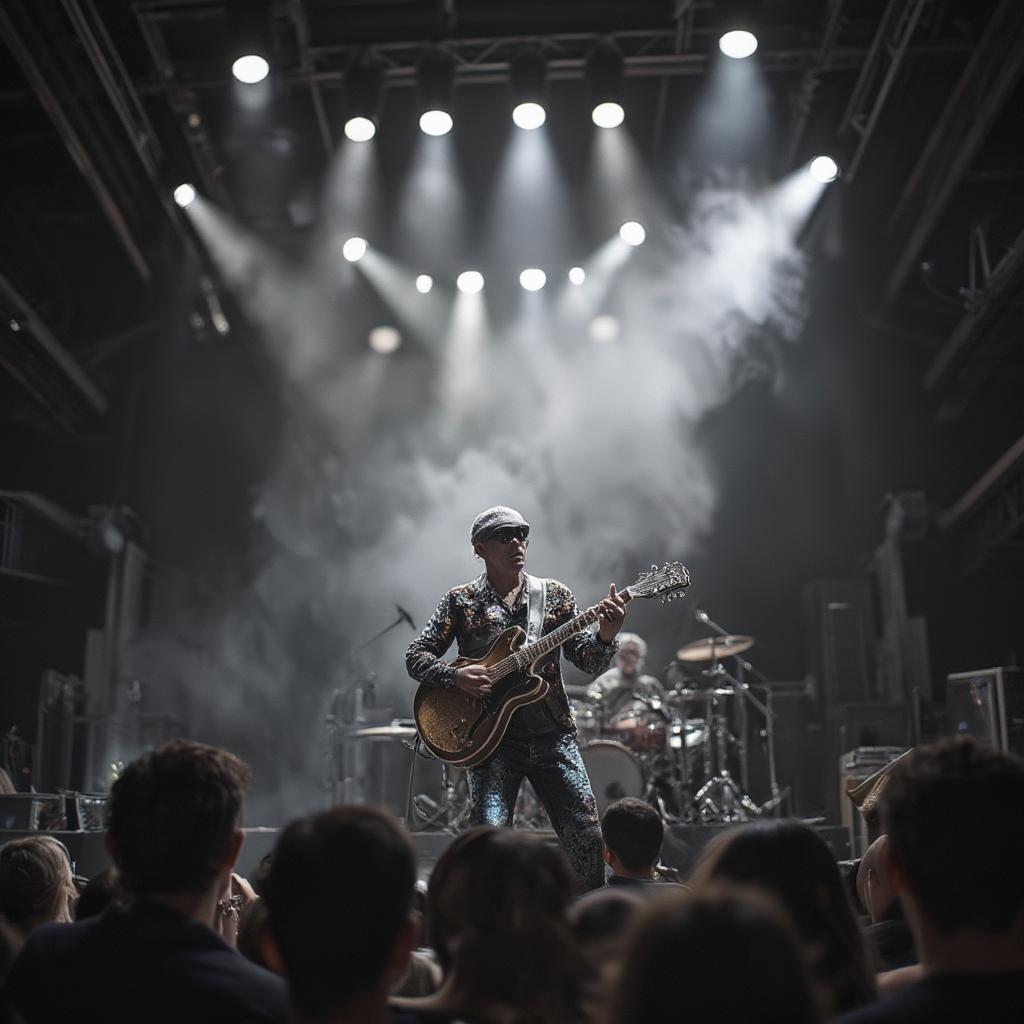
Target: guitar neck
549, 642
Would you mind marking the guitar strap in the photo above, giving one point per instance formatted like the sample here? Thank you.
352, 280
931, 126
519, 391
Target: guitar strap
536, 593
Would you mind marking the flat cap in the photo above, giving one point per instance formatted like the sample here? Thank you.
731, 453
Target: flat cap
495, 518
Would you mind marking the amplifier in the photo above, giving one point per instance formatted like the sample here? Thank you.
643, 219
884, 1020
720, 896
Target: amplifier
989, 705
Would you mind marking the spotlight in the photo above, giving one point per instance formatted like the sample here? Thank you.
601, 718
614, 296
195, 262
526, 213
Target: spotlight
608, 115
184, 195
385, 339
577, 275
738, 43
528, 116
364, 85
823, 169
354, 249
470, 282
632, 233
436, 122
604, 328
360, 129
604, 72
533, 279
424, 283
250, 68
436, 75
528, 72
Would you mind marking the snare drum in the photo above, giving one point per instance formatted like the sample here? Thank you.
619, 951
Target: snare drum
614, 772
587, 718
639, 727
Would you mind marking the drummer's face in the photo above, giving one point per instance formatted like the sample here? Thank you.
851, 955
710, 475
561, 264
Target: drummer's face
629, 658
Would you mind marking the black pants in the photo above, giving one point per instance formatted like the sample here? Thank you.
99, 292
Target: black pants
552, 763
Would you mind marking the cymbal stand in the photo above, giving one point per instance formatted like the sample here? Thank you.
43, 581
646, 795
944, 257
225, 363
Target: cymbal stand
721, 798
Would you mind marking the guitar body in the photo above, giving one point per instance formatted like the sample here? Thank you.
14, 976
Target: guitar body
465, 730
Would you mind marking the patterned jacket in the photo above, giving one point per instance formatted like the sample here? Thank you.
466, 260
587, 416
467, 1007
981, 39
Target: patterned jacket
473, 615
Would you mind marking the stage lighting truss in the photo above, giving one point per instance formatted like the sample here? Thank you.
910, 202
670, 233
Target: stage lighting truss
528, 73
364, 84
605, 70
436, 77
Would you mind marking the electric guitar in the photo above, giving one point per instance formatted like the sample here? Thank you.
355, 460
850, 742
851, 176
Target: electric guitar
463, 729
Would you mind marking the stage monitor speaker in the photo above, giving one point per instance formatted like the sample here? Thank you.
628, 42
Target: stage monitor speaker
988, 704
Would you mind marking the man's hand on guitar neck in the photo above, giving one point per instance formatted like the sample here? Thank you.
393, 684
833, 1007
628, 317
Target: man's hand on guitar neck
611, 614
474, 680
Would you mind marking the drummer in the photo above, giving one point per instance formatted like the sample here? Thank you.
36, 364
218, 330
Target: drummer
625, 679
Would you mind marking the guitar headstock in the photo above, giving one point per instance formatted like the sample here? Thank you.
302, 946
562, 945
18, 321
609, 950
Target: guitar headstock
667, 581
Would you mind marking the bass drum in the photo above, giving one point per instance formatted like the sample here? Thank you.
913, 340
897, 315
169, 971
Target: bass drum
614, 772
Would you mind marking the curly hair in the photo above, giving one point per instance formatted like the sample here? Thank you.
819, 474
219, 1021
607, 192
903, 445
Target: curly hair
172, 814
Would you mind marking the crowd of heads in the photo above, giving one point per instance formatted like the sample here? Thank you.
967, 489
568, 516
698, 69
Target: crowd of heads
765, 929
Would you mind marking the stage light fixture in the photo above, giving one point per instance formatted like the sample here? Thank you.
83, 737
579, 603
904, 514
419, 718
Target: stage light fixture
533, 279
577, 275
470, 282
824, 169
528, 73
528, 116
364, 85
605, 69
250, 68
632, 233
738, 43
604, 328
184, 194
354, 249
436, 76
424, 283
385, 339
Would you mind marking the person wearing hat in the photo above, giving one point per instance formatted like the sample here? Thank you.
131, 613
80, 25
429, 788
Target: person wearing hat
540, 743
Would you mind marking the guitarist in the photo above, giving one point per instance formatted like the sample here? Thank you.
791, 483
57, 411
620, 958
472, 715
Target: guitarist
540, 743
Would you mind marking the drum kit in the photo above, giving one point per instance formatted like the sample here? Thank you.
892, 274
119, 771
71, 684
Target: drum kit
676, 747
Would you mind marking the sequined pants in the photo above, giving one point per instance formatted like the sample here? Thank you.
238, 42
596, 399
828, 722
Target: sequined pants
553, 764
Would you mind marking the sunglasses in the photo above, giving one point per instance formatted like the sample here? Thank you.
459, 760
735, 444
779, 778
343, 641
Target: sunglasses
508, 534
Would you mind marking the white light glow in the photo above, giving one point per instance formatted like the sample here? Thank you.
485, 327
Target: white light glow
529, 116
184, 194
250, 68
604, 329
424, 283
577, 275
608, 115
470, 282
385, 339
824, 169
738, 44
435, 122
533, 279
632, 233
360, 129
354, 249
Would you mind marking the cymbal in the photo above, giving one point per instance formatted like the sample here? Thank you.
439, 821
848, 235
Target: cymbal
385, 732
682, 694
711, 648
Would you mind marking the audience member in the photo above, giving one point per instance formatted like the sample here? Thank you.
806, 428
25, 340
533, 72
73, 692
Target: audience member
339, 896
633, 833
36, 882
888, 935
174, 835
954, 816
99, 892
497, 904
714, 956
794, 865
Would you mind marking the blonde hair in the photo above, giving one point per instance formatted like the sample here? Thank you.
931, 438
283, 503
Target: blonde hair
36, 885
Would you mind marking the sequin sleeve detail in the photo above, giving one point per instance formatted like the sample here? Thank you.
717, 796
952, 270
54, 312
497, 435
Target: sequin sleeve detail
585, 650
423, 658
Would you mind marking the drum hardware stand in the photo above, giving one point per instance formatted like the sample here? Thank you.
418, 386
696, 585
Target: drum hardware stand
447, 815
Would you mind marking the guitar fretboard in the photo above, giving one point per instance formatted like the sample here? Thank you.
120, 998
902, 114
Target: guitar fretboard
546, 644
